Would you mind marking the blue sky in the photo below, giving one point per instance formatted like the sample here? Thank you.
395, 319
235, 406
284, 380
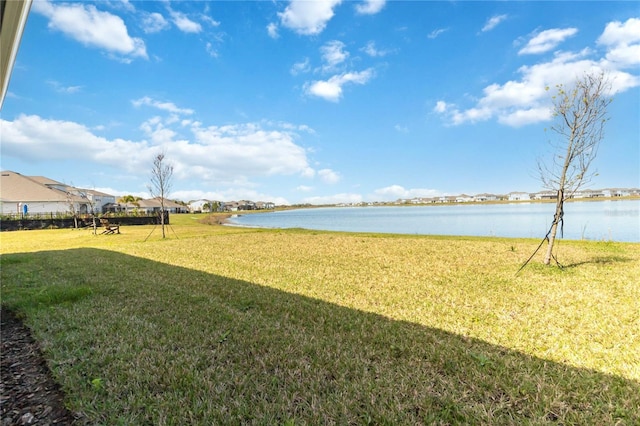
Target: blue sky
313, 101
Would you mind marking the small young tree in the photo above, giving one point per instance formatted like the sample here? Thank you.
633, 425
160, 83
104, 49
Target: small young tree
161, 174
71, 202
92, 209
580, 115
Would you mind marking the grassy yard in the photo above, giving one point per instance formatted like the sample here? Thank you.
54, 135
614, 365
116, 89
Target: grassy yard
223, 325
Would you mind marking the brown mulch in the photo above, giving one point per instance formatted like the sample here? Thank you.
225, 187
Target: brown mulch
28, 393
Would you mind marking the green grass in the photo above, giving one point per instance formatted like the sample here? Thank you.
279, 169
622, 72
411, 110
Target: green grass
223, 325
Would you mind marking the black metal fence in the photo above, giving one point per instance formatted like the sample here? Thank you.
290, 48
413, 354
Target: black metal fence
55, 221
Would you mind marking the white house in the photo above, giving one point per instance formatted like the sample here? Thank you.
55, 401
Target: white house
153, 205
620, 192
99, 200
485, 197
519, 196
40, 195
199, 206
545, 195
464, 198
265, 205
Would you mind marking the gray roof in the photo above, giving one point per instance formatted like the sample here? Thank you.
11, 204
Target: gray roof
46, 181
94, 192
155, 203
17, 188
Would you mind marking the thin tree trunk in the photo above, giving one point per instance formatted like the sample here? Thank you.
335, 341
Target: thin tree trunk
162, 221
552, 239
557, 217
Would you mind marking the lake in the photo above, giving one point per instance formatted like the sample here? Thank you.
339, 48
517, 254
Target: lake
609, 220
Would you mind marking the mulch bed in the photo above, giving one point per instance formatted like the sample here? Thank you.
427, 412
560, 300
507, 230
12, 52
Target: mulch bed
28, 393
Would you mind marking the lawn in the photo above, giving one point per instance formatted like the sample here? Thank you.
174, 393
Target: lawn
224, 325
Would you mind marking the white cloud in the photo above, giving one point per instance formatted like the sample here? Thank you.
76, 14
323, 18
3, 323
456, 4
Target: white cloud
308, 17
211, 50
333, 54
331, 89
525, 101
92, 27
401, 129
625, 56
394, 192
472, 115
329, 176
154, 23
370, 7
290, 127
117, 192
623, 41
547, 40
33, 138
58, 87
156, 130
208, 19
300, 67
121, 5
272, 30
435, 33
616, 33
246, 150
223, 154
371, 50
185, 24
304, 188
523, 117
440, 107
165, 106
493, 22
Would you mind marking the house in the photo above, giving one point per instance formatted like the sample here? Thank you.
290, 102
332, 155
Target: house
231, 206
463, 198
99, 200
114, 208
153, 205
593, 193
545, 195
519, 196
620, 192
449, 199
40, 195
485, 197
199, 206
234, 206
246, 205
265, 205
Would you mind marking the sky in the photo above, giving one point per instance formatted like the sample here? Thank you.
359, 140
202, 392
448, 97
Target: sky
318, 102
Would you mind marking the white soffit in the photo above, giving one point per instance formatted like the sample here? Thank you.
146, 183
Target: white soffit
14, 19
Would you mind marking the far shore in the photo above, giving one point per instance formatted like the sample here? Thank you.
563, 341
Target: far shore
222, 218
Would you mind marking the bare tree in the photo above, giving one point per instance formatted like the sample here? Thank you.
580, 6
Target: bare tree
580, 115
161, 175
71, 202
72, 194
